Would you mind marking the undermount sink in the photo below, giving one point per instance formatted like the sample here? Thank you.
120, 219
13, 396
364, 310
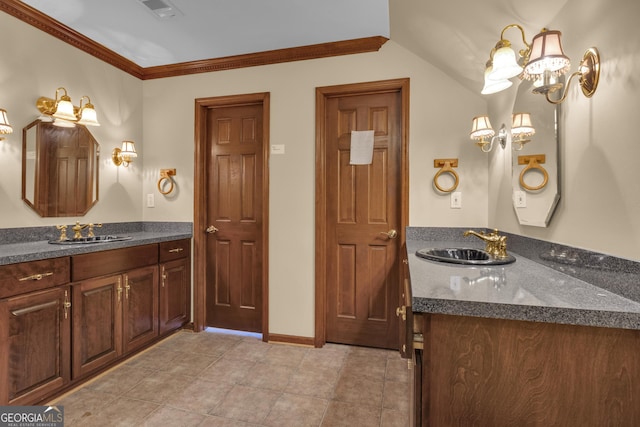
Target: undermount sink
465, 256
88, 240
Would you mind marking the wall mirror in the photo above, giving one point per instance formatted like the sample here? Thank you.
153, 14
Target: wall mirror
59, 169
535, 172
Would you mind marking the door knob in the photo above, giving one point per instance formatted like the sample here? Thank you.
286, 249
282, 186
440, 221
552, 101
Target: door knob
401, 311
211, 229
391, 234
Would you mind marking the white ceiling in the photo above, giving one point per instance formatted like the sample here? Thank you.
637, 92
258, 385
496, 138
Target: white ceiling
454, 35
207, 29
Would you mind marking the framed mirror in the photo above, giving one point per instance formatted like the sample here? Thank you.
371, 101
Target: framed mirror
535, 172
59, 169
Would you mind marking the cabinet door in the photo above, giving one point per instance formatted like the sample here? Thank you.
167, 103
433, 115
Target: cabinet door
97, 323
35, 343
175, 289
140, 316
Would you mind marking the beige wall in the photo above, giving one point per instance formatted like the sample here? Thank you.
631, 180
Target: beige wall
35, 64
599, 207
440, 114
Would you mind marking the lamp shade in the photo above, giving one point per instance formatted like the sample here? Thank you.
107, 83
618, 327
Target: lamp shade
481, 128
505, 64
129, 149
521, 125
546, 55
88, 116
493, 86
64, 109
5, 127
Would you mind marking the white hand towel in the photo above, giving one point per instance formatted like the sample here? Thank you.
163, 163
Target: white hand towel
361, 147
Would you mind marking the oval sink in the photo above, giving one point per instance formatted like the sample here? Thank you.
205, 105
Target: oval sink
87, 240
466, 256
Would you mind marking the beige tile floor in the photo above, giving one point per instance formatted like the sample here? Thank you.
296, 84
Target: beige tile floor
219, 379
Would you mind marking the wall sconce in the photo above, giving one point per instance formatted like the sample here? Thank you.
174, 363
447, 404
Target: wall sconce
65, 113
544, 62
521, 130
5, 127
484, 134
125, 155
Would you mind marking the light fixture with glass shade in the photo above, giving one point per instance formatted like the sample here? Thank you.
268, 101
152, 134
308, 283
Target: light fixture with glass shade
543, 61
125, 155
521, 130
64, 112
5, 127
485, 136
493, 86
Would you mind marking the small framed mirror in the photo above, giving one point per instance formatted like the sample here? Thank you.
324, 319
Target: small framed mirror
59, 169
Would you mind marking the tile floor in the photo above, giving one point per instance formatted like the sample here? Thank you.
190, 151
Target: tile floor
219, 379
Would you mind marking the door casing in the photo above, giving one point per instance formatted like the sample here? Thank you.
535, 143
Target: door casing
200, 203
322, 94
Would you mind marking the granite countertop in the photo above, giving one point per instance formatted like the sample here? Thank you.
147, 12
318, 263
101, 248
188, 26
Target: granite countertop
30, 250
524, 290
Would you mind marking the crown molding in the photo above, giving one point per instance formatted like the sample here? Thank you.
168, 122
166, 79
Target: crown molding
60, 31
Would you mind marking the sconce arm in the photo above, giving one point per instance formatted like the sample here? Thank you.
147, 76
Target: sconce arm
566, 90
523, 52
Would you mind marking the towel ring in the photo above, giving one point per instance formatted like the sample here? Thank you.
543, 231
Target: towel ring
446, 166
165, 175
533, 162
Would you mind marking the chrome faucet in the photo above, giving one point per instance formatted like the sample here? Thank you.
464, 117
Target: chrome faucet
496, 245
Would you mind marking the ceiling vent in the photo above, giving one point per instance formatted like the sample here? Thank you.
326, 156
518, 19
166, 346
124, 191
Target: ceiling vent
161, 9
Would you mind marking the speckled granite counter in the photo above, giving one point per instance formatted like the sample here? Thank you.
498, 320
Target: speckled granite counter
30, 244
524, 290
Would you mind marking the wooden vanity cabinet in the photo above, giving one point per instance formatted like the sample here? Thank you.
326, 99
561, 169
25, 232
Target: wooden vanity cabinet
34, 330
481, 371
115, 314
63, 320
175, 284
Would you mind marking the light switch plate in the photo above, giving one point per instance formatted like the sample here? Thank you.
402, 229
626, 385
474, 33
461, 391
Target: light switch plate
520, 199
456, 200
151, 203
277, 149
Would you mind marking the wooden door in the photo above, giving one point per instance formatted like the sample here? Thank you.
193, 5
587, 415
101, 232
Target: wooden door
234, 245
174, 294
363, 219
97, 323
34, 332
140, 309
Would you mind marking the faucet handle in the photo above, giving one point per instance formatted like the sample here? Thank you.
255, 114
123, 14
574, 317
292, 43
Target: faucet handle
90, 233
63, 232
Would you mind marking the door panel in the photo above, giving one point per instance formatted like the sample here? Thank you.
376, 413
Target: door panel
235, 243
140, 316
363, 203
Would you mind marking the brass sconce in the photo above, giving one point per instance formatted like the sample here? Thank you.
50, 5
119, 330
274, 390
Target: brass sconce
521, 130
484, 134
543, 61
125, 155
65, 113
5, 127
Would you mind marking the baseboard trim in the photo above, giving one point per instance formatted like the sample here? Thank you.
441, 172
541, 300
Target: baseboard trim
291, 339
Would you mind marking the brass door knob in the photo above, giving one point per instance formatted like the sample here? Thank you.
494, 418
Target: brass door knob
211, 229
401, 311
391, 234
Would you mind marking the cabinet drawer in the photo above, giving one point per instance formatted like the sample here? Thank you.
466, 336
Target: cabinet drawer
175, 249
113, 261
30, 276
